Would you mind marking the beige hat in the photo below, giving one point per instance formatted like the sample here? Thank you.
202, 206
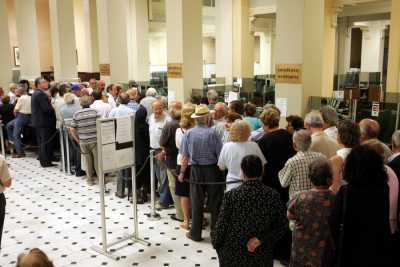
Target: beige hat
200, 111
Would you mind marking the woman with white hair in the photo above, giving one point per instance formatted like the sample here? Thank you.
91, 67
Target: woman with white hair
234, 151
147, 101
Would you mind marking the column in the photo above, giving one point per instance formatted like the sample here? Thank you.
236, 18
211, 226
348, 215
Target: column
140, 41
224, 41
372, 47
5, 58
102, 27
234, 41
27, 29
184, 48
85, 18
265, 52
312, 46
344, 46
63, 40
393, 73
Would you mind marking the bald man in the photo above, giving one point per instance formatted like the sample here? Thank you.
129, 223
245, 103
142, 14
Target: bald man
170, 151
157, 120
369, 130
101, 86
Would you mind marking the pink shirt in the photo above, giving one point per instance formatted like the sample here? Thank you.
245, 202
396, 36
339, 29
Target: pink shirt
393, 184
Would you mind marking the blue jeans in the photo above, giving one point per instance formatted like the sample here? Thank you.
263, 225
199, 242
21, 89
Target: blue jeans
161, 174
15, 128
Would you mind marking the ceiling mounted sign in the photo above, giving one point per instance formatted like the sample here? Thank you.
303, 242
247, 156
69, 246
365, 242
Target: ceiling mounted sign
175, 70
288, 73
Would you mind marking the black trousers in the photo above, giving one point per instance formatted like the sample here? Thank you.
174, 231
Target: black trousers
2, 214
46, 145
204, 174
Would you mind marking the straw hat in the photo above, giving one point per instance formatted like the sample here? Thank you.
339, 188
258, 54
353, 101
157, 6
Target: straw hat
200, 111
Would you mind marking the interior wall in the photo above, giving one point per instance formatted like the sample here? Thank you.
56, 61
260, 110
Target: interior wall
45, 48
79, 37
257, 46
208, 50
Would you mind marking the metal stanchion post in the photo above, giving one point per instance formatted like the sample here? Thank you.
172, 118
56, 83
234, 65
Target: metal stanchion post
62, 148
3, 150
67, 149
153, 215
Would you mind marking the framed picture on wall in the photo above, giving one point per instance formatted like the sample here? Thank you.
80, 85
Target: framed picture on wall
17, 61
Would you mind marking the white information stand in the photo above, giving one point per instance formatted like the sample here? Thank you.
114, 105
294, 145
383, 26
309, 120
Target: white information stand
116, 151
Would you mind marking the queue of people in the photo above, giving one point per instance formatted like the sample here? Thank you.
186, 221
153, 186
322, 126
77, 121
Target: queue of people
322, 192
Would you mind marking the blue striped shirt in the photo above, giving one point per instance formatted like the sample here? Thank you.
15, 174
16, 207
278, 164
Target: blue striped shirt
201, 145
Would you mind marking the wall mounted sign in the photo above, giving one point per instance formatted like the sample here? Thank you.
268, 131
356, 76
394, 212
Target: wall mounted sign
375, 109
288, 73
17, 61
175, 70
104, 69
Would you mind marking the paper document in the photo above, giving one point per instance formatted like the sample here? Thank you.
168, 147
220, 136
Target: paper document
124, 130
108, 155
281, 104
107, 132
232, 96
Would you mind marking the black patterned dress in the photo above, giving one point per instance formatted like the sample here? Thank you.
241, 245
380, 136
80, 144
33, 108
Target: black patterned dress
250, 210
312, 240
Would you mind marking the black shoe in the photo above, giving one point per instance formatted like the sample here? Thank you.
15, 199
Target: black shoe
80, 173
119, 195
47, 165
173, 217
188, 235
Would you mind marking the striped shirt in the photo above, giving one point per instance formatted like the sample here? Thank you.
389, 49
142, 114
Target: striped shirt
84, 121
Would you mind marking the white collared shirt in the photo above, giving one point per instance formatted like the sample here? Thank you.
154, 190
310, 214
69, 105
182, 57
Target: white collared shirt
120, 111
111, 101
155, 129
103, 109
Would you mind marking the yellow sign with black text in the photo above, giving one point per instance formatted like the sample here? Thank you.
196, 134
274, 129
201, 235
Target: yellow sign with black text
175, 70
288, 73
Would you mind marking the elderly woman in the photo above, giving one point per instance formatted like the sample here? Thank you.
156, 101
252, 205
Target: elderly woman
251, 220
348, 137
182, 188
229, 119
359, 221
234, 151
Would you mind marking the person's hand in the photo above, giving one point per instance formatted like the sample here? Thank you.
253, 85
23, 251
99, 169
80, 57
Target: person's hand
253, 244
181, 177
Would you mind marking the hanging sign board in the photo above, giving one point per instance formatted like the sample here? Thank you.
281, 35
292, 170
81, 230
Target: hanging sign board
288, 73
175, 70
375, 109
104, 69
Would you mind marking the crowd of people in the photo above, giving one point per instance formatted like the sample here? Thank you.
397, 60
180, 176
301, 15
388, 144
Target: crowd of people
320, 192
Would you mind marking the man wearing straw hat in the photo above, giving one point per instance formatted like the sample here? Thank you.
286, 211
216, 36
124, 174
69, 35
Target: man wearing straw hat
200, 148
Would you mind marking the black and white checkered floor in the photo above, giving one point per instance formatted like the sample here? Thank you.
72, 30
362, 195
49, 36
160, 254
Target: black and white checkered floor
60, 214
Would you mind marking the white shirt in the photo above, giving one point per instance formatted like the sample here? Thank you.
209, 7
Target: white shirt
111, 101
120, 111
57, 103
155, 129
147, 102
178, 141
332, 132
103, 109
13, 97
231, 157
24, 104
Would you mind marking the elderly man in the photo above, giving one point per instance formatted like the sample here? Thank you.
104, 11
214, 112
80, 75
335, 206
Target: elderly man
112, 94
147, 101
369, 130
321, 142
157, 121
167, 142
101, 86
122, 111
12, 93
103, 109
295, 173
200, 148
212, 97
330, 118
218, 118
23, 117
44, 120
93, 84
134, 96
83, 130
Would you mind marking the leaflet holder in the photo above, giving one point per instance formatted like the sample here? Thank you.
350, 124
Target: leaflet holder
116, 151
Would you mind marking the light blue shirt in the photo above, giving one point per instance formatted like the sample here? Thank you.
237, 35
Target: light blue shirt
120, 111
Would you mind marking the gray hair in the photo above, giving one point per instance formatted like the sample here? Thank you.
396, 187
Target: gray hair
86, 101
151, 92
212, 94
69, 98
164, 102
396, 139
329, 115
314, 120
302, 140
12, 85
